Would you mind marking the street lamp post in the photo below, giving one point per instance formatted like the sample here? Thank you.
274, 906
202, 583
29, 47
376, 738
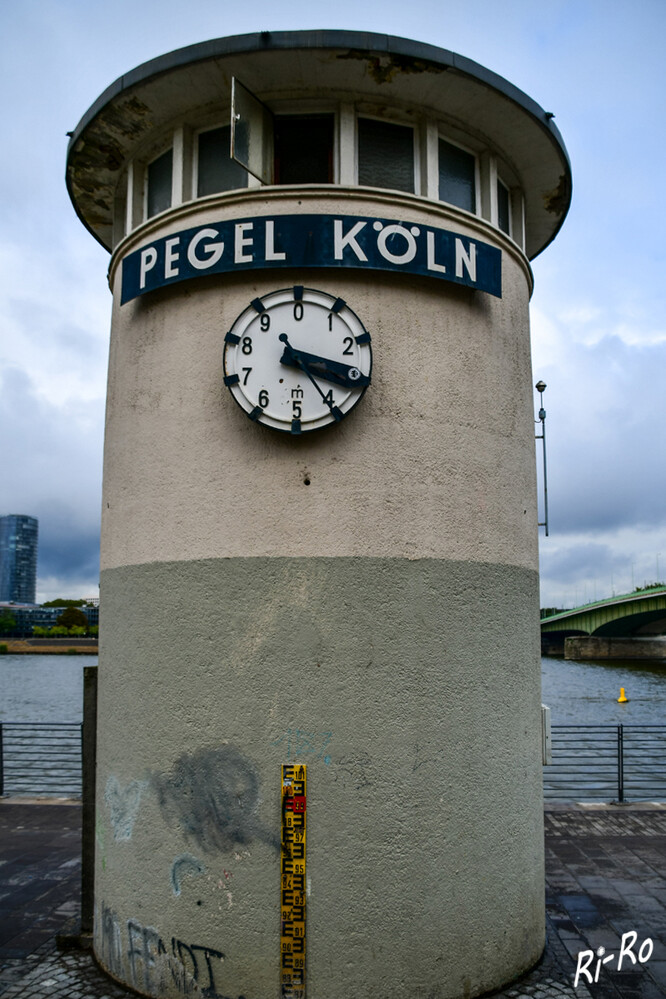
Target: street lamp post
541, 388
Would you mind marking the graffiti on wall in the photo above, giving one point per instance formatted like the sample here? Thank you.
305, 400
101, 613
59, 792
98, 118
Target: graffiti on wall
184, 866
123, 804
299, 744
195, 970
213, 795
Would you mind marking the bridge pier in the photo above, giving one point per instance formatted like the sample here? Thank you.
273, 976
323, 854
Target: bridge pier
588, 647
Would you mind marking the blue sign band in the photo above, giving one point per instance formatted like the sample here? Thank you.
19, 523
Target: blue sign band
312, 241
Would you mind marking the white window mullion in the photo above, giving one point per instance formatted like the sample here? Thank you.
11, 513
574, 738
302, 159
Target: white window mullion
119, 227
430, 161
181, 179
347, 172
419, 186
488, 187
135, 209
518, 217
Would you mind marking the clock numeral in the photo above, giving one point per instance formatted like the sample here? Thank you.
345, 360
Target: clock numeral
278, 395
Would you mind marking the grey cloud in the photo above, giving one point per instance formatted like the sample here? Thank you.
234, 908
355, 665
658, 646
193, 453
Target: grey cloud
606, 452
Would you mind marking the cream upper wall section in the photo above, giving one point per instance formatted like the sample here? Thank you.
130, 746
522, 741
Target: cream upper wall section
437, 460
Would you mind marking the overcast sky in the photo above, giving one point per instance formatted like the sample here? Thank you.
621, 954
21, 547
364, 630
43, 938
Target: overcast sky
598, 327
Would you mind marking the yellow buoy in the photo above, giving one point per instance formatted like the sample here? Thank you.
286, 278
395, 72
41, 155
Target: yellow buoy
622, 699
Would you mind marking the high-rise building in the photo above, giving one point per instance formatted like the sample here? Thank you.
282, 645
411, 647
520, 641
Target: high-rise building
18, 558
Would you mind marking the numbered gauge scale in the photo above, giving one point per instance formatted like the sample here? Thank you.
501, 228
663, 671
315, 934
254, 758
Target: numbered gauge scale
292, 881
297, 359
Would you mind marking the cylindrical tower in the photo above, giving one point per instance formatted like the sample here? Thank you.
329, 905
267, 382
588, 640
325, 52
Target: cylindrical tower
319, 519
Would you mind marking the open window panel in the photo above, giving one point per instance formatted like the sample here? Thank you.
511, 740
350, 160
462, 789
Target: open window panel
280, 148
251, 133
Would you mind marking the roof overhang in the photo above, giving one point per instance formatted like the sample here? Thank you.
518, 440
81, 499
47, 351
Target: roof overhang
351, 65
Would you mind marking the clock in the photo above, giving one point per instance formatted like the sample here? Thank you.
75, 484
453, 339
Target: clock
297, 360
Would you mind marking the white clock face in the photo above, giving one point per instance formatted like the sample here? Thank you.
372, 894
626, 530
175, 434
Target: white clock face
297, 360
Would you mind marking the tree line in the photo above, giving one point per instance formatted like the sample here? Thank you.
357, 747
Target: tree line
72, 621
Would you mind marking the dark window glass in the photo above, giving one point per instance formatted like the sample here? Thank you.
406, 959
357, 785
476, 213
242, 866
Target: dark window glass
160, 174
217, 171
456, 176
303, 149
503, 208
385, 155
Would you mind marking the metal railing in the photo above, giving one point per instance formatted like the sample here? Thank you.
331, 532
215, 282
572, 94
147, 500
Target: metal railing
589, 762
606, 763
40, 758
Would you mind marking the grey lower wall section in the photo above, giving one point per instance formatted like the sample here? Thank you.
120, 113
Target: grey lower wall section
411, 689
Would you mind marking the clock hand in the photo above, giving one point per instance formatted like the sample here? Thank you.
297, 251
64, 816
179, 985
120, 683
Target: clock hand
323, 367
298, 363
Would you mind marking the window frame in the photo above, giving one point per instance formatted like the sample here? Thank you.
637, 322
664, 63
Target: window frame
310, 113
297, 108
182, 140
416, 148
474, 153
198, 130
171, 147
509, 200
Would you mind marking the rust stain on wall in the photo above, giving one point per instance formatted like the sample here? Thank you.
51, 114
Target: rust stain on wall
557, 201
384, 69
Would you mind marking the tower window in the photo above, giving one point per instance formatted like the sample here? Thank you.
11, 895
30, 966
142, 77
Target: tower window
385, 155
303, 146
216, 170
457, 176
503, 208
160, 176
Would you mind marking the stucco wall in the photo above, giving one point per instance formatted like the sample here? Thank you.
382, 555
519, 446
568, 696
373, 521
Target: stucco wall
362, 600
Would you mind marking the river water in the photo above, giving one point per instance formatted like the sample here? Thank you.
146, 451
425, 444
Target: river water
42, 688
50, 688
586, 693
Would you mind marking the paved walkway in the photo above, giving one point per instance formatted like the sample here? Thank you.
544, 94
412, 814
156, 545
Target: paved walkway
605, 878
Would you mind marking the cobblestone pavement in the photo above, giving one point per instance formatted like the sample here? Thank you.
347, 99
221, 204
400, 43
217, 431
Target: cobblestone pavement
605, 877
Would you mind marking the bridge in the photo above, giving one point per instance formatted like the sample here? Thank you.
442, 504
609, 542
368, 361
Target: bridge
642, 612
637, 615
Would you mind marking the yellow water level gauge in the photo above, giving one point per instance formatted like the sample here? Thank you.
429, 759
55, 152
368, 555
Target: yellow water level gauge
292, 882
